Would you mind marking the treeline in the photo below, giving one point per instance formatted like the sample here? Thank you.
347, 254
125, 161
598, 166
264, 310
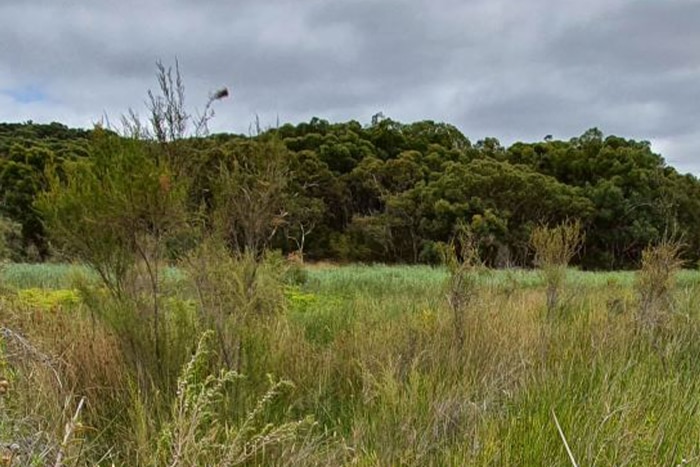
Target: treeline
387, 191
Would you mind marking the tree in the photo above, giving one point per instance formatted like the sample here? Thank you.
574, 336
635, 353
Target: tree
395, 188
250, 194
10, 238
118, 209
115, 212
21, 179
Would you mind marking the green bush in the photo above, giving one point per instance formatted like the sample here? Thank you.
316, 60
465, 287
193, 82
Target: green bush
10, 240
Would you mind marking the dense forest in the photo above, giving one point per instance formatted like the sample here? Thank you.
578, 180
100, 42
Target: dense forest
386, 191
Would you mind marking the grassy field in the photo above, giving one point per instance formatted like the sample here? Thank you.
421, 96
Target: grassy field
60, 276
378, 375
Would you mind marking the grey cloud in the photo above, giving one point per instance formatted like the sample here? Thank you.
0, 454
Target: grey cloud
641, 37
505, 68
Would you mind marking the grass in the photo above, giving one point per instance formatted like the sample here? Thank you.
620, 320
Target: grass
376, 278
53, 276
42, 276
621, 398
375, 375
347, 279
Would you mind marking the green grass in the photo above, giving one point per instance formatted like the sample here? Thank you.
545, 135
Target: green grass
54, 276
43, 276
347, 280
382, 279
622, 397
373, 359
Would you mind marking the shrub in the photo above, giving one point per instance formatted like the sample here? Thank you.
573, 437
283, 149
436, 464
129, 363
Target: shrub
10, 240
295, 273
461, 256
656, 280
196, 434
554, 248
234, 292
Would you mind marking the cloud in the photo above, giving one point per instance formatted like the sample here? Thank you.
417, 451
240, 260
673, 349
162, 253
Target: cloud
504, 68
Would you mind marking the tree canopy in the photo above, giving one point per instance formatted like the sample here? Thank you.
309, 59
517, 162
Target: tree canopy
392, 192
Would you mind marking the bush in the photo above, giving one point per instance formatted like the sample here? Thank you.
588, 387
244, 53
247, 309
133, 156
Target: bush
10, 240
295, 274
197, 434
554, 248
656, 280
234, 292
461, 256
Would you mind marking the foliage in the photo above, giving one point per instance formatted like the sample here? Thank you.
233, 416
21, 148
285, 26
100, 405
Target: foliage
371, 352
234, 292
656, 280
48, 300
250, 195
9, 236
196, 433
461, 256
25, 152
554, 248
386, 191
114, 209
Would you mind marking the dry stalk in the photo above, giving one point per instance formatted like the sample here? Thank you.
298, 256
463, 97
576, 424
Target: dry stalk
68, 433
11, 336
563, 438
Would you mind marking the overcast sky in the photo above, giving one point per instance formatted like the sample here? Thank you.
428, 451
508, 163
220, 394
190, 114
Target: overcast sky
513, 69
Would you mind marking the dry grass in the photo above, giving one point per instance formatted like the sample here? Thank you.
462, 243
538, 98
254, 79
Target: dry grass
367, 371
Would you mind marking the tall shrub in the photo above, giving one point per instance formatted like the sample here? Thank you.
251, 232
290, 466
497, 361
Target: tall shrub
554, 248
461, 256
656, 279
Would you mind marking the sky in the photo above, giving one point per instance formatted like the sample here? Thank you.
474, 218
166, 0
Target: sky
511, 69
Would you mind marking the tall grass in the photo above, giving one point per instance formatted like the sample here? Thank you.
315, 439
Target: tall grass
55, 276
423, 401
372, 280
366, 371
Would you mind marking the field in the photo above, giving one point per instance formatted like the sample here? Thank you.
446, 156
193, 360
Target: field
361, 365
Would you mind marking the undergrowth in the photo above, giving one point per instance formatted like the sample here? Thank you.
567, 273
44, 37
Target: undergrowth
360, 376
